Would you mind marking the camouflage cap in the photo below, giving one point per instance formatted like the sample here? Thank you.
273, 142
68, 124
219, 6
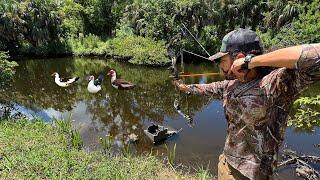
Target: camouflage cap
239, 40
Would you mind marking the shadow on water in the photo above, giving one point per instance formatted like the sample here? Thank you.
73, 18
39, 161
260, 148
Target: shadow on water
120, 113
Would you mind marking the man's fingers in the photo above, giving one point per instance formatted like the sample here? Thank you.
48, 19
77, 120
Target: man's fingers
230, 70
240, 75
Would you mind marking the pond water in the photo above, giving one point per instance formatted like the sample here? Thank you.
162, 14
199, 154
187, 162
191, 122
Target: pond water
120, 113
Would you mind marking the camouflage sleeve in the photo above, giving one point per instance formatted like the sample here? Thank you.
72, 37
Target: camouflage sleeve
214, 89
308, 65
291, 82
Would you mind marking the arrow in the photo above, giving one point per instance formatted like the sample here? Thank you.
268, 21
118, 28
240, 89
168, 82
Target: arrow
203, 74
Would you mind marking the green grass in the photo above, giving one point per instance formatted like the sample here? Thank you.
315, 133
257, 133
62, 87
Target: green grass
38, 150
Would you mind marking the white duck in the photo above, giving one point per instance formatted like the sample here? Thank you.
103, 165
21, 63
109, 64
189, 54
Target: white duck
94, 86
63, 82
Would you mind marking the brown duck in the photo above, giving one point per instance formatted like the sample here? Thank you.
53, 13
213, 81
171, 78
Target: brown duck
119, 83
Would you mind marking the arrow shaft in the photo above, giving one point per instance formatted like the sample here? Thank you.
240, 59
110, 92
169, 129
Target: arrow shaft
203, 74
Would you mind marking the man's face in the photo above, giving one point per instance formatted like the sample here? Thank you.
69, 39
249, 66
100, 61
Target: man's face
225, 64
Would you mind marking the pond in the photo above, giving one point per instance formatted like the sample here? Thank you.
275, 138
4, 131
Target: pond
120, 113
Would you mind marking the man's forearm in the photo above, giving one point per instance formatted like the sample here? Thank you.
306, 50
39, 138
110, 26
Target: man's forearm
215, 89
286, 57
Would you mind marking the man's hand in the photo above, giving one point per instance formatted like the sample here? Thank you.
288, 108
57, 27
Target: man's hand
236, 69
181, 86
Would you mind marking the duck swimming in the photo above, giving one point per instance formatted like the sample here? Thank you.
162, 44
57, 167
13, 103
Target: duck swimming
63, 82
94, 86
119, 83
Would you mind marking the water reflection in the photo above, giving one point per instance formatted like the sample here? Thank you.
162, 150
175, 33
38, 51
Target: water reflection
120, 113
110, 111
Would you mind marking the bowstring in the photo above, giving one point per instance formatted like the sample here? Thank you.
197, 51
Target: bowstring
178, 97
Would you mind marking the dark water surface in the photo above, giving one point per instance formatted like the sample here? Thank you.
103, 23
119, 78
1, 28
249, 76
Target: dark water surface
120, 113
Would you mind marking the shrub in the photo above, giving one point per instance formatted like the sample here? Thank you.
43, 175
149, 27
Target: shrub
140, 50
135, 49
6, 68
307, 114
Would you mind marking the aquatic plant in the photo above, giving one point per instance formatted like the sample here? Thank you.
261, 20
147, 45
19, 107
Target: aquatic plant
106, 143
203, 173
126, 151
171, 154
9, 112
73, 135
76, 140
63, 125
6, 111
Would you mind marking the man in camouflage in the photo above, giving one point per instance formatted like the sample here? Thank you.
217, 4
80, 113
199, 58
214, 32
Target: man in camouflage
256, 101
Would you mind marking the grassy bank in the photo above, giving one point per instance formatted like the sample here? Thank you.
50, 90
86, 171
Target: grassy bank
34, 149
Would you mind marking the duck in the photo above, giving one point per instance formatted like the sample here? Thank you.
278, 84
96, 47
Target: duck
119, 83
63, 82
94, 86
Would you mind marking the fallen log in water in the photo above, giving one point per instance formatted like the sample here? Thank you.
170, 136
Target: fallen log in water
303, 168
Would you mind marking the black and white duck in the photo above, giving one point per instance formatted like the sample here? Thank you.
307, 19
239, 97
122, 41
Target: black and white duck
63, 82
94, 85
119, 83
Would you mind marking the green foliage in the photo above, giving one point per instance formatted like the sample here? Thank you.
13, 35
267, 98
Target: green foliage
6, 68
209, 21
135, 49
308, 101
162, 20
97, 17
140, 50
307, 114
49, 28
72, 24
89, 45
304, 28
281, 13
50, 49
36, 22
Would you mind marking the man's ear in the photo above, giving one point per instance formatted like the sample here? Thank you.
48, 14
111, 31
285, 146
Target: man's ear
240, 55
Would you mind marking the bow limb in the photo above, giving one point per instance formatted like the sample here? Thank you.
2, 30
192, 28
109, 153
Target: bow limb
178, 95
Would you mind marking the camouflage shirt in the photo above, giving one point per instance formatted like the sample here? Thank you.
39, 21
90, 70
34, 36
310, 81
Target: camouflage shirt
257, 112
